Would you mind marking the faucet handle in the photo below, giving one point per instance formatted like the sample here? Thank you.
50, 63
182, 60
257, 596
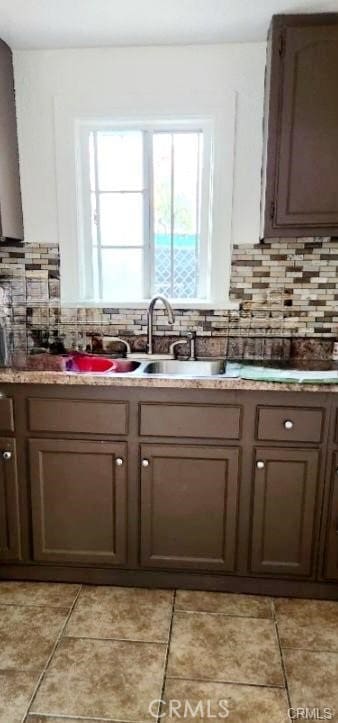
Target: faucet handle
172, 348
120, 341
191, 336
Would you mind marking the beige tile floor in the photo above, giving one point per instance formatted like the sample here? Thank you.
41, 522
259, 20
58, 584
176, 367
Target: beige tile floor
70, 653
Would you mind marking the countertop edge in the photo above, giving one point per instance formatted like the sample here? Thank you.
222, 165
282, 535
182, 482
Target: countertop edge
16, 376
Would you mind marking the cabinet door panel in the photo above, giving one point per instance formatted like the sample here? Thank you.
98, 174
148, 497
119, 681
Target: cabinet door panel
307, 173
6, 415
284, 501
79, 501
189, 503
331, 549
9, 506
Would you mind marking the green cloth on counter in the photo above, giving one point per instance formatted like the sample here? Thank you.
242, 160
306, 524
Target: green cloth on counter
287, 376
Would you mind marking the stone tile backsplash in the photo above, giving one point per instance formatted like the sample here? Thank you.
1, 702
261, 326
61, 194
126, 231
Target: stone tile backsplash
284, 288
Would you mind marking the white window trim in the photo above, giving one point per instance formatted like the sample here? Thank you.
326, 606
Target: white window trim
224, 123
183, 304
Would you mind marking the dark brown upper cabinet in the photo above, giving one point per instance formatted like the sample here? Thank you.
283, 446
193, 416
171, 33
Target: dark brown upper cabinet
300, 166
11, 223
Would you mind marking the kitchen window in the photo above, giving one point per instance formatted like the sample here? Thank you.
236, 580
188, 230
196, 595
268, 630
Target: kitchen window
144, 211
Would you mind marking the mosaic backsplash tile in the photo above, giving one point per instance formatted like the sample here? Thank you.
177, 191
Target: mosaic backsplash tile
285, 288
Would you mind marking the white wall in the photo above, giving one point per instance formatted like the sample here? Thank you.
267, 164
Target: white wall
53, 86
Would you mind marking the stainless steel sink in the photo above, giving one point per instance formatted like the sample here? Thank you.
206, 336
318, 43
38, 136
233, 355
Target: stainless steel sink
171, 367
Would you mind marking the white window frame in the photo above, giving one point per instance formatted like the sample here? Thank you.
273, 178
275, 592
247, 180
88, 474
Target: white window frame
83, 130
223, 118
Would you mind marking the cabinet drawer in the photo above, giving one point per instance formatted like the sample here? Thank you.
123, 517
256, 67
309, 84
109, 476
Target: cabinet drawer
6, 415
289, 424
211, 421
78, 416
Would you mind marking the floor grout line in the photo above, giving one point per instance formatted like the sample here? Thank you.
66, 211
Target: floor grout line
60, 608
57, 641
283, 665
167, 656
35, 605
225, 615
273, 610
117, 640
225, 682
61, 716
310, 650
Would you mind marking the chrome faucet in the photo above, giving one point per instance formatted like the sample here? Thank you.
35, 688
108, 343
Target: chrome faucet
150, 321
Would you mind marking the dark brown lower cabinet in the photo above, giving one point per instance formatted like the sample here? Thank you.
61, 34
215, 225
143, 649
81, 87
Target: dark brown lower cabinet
79, 500
284, 511
331, 548
189, 506
9, 506
105, 491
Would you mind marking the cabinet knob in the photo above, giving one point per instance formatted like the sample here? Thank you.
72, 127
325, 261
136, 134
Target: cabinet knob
288, 424
119, 461
7, 455
260, 464
145, 463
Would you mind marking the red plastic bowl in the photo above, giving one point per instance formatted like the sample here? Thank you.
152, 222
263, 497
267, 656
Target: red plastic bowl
94, 363
88, 363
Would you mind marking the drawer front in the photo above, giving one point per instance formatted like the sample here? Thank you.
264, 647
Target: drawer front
289, 424
210, 421
6, 415
77, 416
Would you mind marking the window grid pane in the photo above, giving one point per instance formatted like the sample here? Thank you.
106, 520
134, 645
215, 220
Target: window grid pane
120, 160
117, 219
122, 275
121, 219
177, 189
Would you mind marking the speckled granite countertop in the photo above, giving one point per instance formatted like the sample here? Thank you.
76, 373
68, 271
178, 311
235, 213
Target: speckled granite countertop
22, 376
